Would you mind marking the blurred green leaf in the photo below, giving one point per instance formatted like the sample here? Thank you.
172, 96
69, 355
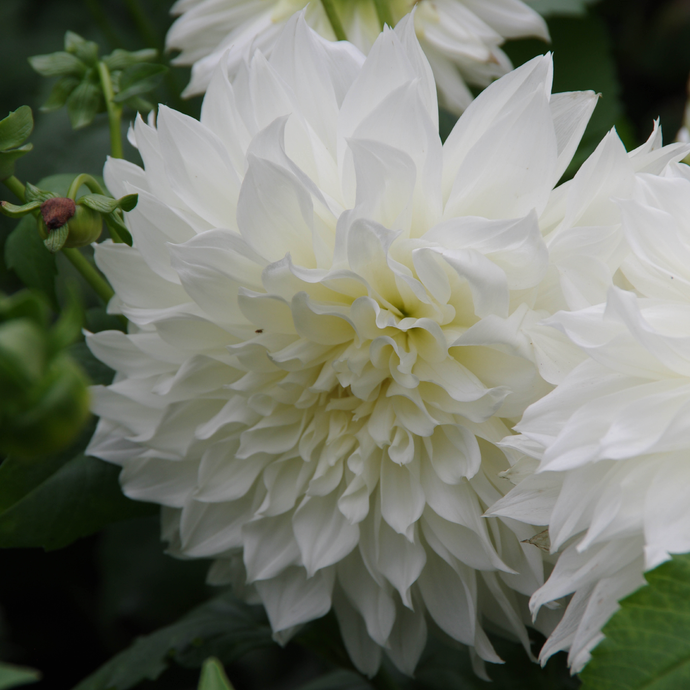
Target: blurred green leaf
79, 498
12, 676
26, 254
139, 79
647, 643
98, 373
121, 59
16, 128
60, 93
213, 676
83, 104
86, 51
583, 60
224, 620
58, 64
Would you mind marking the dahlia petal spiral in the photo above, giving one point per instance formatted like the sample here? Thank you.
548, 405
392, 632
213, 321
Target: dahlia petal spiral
334, 320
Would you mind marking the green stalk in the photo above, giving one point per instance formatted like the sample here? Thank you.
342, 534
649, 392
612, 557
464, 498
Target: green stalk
334, 20
114, 111
16, 187
383, 12
90, 274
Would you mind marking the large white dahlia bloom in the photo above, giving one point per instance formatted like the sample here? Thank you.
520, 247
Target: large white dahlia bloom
607, 453
461, 38
334, 319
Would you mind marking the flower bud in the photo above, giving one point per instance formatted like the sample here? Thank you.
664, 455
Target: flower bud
84, 228
56, 212
84, 225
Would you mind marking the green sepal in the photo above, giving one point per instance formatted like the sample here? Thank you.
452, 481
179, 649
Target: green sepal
106, 204
121, 59
139, 79
12, 211
58, 64
83, 103
57, 238
114, 223
86, 51
33, 193
16, 128
60, 93
213, 676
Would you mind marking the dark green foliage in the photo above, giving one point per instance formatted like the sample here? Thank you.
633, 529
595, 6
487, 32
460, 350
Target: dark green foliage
647, 644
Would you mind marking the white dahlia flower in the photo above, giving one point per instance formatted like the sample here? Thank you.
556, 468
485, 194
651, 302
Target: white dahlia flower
332, 325
607, 453
461, 38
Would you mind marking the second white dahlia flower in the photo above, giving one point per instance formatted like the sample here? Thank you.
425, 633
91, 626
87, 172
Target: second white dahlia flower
332, 325
607, 454
461, 38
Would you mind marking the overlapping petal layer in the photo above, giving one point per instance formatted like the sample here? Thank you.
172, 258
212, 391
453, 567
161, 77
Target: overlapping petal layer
606, 453
461, 38
334, 319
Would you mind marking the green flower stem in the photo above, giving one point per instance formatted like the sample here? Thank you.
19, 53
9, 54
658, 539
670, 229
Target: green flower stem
383, 11
87, 180
16, 187
90, 274
329, 7
114, 111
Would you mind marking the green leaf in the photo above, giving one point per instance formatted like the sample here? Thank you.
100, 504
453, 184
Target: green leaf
213, 676
647, 643
121, 59
26, 255
86, 51
139, 79
60, 93
79, 498
224, 623
16, 128
8, 159
83, 104
12, 676
58, 64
